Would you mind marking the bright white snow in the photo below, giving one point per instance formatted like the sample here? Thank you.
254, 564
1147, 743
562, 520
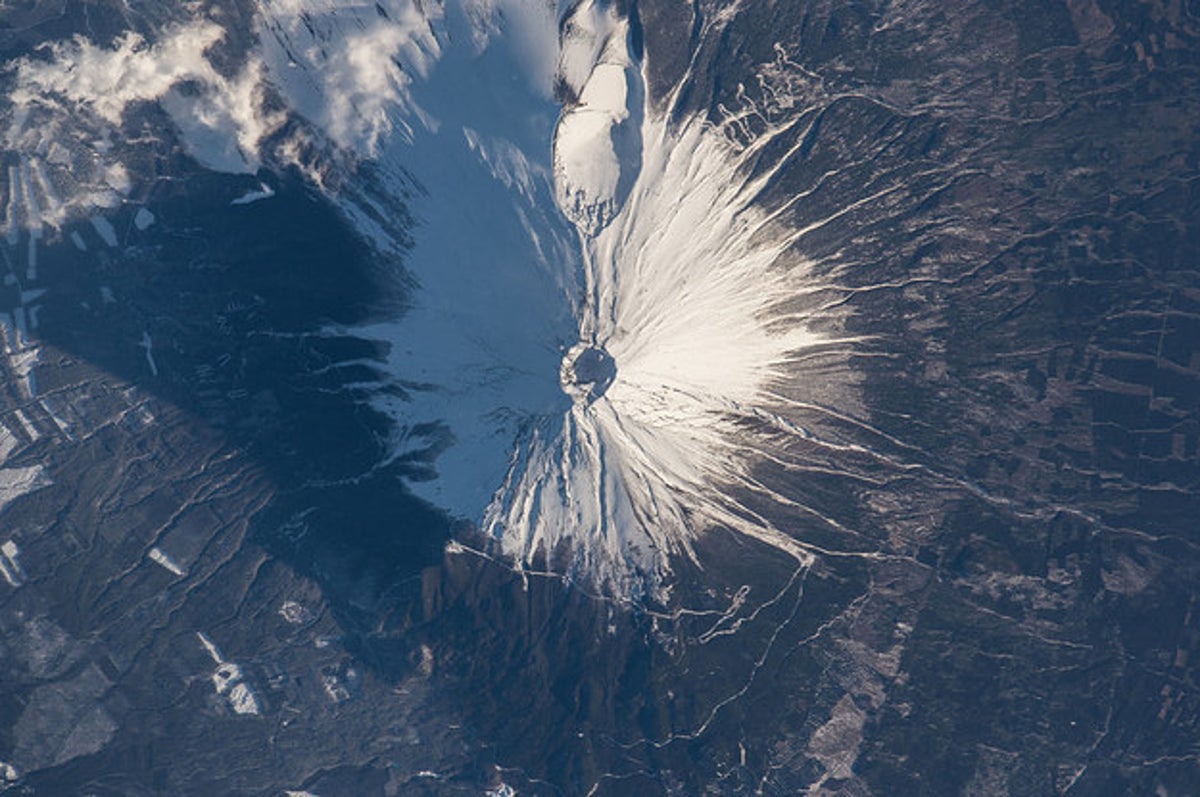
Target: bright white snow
161, 558
16, 482
685, 282
264, 192
597, 146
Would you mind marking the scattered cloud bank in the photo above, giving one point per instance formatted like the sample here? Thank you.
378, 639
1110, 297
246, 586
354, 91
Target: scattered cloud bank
348, 68
222, 121
348, 73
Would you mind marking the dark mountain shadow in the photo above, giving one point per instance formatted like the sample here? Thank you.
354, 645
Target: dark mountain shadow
233, 312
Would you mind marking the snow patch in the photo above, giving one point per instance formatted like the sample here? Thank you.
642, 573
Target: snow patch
597, 145
143, 219
264, 192
16, 482
8, 443
147, 343
229, 681
10, 564
161, 558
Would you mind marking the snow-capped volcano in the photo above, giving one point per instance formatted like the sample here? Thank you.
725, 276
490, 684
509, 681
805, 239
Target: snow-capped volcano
602, 314
681, 330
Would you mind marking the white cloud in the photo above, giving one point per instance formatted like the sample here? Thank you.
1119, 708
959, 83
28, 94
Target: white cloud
348, 69
221, 120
